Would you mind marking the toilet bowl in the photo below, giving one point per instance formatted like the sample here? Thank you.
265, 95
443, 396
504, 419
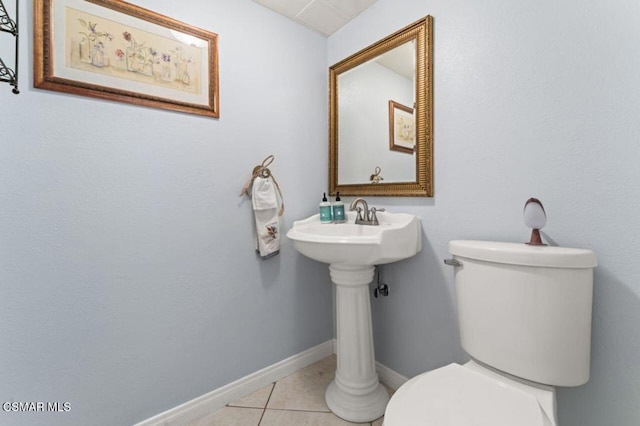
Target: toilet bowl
525, 319
470, 395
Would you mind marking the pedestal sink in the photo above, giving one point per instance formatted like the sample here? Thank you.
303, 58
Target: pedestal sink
352, 251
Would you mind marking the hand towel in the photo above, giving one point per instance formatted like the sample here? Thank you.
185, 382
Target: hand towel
265, 206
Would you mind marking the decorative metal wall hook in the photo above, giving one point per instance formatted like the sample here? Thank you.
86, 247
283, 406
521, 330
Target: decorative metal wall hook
8, 25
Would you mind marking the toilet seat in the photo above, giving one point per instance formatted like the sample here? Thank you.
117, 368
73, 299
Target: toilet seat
455, 395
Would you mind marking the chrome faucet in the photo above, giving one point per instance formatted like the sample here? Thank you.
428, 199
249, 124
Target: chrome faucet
369, 217
359, 219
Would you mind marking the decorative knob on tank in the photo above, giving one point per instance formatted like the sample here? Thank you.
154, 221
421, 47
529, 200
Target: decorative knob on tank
535, 218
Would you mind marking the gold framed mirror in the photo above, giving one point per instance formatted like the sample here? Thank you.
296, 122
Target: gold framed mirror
381, 117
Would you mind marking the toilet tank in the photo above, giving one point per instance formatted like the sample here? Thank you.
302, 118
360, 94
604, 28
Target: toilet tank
526, 310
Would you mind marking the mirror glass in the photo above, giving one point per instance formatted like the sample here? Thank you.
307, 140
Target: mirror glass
376, 102
380, 117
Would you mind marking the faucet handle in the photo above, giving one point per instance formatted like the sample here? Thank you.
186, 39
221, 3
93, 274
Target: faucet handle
374, 217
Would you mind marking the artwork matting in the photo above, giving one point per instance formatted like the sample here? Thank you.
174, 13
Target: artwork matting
113, 50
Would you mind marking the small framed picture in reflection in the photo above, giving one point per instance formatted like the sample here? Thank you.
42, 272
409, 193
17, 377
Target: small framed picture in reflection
402, 128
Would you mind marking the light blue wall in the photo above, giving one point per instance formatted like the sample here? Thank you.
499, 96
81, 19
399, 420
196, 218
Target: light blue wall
128, 278
531, 99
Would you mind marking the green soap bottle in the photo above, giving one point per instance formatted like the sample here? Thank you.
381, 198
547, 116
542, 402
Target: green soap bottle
338, 210
325, 210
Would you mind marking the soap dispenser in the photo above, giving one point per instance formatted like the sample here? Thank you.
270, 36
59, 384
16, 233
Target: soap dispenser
325, 210
338, 210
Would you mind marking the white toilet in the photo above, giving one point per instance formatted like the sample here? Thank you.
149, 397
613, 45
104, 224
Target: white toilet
525, 319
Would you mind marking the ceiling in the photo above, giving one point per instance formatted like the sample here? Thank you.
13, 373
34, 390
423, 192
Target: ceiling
323, 16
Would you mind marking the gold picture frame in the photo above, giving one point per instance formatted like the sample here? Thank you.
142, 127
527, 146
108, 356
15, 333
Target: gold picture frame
402, 128
113, 50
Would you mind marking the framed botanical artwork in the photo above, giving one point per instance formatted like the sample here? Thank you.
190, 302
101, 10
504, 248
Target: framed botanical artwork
402, 128
111, 49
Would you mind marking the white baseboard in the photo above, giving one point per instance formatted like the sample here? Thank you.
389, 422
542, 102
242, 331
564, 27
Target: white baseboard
212, 401
389, 377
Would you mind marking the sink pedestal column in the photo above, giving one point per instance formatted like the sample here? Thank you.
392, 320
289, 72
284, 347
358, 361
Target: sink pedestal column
355, 394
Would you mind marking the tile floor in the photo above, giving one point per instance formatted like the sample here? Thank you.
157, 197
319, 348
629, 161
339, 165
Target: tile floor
296, 400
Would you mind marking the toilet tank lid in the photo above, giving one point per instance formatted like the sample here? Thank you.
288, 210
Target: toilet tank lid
524, 254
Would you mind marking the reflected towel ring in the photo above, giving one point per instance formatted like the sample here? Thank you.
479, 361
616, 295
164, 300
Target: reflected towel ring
375, 177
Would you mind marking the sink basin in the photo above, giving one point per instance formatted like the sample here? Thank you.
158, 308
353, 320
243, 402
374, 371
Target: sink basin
352, 251
397, 237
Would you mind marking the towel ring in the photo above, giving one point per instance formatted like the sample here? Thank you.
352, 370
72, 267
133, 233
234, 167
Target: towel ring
261, 171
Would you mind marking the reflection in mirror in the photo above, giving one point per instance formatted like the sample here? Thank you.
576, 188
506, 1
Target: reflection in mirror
376, 104
380, 117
